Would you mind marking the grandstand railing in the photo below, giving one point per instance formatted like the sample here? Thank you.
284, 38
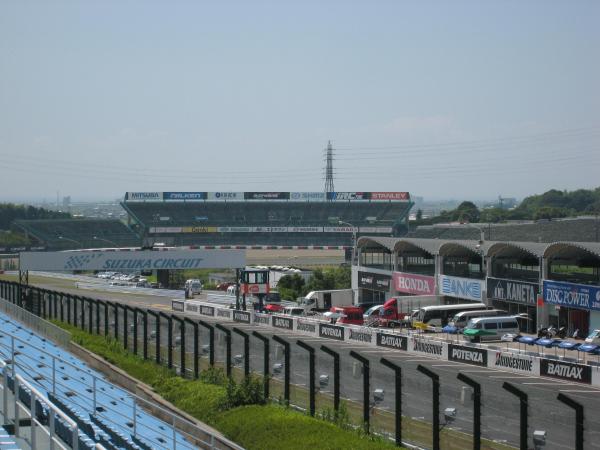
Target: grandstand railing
174, 422
37, 398
41, 326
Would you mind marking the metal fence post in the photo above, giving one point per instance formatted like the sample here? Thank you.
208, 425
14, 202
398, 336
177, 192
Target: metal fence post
195, 348
476, 408
523, 415
366, 389
578, 407
211, 341
286, 368
246, 338
266, 375
336, 377
398, 394
227, 333
435, 378
311, 374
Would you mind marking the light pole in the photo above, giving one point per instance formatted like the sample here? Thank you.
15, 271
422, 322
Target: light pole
341, 222
114, 244
62, 238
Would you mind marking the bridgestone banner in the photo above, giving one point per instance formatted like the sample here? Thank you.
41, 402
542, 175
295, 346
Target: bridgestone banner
177, 306
468, 355
331, 331
132, 260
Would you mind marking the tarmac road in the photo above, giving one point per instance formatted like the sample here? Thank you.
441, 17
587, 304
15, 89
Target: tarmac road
499, 411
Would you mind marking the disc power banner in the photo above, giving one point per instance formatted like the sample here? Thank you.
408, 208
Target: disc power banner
136, 260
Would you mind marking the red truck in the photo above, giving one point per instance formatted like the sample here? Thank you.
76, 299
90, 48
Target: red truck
396, 311
351, 315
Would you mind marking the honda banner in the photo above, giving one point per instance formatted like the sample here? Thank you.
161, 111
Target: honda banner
413, 284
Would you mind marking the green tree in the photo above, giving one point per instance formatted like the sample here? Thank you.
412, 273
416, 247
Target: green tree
466, 212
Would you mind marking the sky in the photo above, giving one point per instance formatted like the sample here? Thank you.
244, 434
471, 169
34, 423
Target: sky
444, 99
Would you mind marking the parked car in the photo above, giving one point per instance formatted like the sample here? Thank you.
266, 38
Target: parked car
593, 338
273, 308
225, 285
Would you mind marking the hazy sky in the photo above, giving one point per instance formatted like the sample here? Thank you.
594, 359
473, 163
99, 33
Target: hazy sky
447, 99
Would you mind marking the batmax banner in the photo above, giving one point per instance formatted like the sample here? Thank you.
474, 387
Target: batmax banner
282, 322
468, 355
392, 341
184, 196
513, 291
414, 284
223, 196
331, 332
266, 195
375, 281
127, 260
580, 373
143, 196
340, 196
468, 288
572, 295
398, 196
307, 196
242, 316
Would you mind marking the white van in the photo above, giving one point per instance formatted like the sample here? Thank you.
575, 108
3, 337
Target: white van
293, 311
231, 290
490, 328
193, 286
461, 319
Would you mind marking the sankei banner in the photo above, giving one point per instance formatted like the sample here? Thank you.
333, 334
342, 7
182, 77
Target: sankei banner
398, 196
469, 288
414, 284
137, 260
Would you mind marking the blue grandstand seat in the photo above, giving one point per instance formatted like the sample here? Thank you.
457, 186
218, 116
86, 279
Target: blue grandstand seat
7, 442
75, 396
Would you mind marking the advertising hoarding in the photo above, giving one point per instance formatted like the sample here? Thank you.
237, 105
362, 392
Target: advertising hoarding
143, 196
184, 196
397, 196
512, 290
572, 295
413, 284
375, 281
266, 195
127, 260
307, 196
467, 288
224, 196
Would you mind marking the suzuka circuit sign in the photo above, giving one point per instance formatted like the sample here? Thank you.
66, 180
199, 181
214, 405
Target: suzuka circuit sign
136, 260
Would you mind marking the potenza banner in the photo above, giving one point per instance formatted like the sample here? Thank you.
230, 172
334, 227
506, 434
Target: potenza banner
513, 291
468, 355
375, 281
136, 260
461, 287
572, 295
414, 284
331, 331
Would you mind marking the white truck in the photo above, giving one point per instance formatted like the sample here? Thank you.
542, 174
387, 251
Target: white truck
317, 301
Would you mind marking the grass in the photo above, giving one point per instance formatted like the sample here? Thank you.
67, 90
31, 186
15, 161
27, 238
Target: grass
267, 426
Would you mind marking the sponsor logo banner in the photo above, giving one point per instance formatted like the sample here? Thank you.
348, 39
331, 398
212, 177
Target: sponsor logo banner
154, 230
282, 322
348, 196
402, 196
427, 347
265, 319
184, 196
572, 295
461, 287
331, 331
177, 305
225, 196
375, 281
376, 230
305, 229
266, 195
469, 355
199, 229
308, 327
242, 316
234, 229
580, 373
339, 229
512, 291
224, 313
207, 310
414, 284
144, 197
519, 363
392, 341
360, 335
126, 260
307, 196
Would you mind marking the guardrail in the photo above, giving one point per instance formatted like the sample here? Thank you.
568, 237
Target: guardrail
418, 342
40, 326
